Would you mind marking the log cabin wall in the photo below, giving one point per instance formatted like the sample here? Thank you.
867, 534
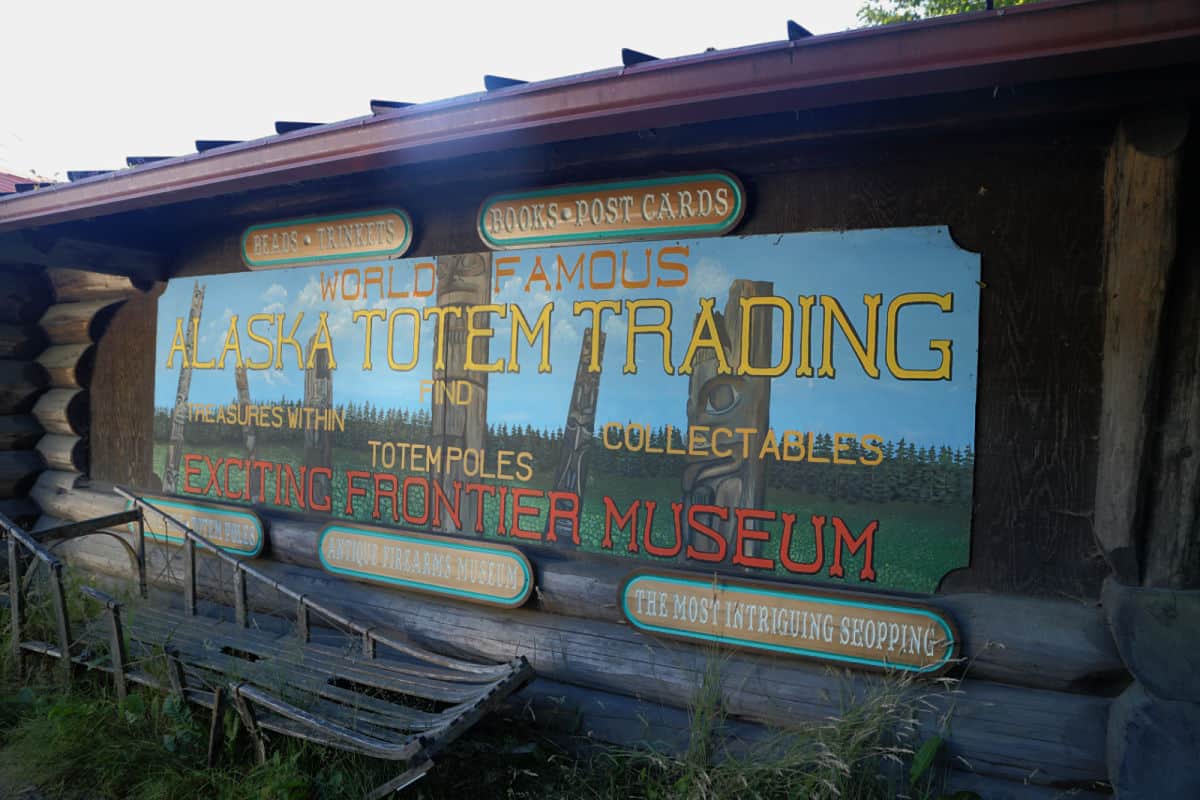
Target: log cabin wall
1031, 202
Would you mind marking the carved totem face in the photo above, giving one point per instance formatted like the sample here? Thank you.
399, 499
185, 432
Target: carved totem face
736, 411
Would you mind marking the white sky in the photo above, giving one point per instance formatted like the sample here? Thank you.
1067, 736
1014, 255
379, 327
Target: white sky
84, 84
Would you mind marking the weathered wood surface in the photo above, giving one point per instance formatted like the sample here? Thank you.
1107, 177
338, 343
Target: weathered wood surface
69, 366
1172, 513
1054, 738
1141, 196
1054, 644
24, 294
64, 452
20, 342
20, 510
596, 715
18, 470
20, 384
64, 411
82, 284
1029, 201
19, 432
123, 452
77, 323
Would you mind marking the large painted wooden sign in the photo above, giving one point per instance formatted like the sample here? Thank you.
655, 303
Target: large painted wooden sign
488, 573
234, 529
385, 233
857, 630
794, 407
707, 204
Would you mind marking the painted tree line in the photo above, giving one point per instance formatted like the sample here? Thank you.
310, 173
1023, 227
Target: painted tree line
908, 472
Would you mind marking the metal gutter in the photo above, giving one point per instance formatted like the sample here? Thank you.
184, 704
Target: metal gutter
1046, 41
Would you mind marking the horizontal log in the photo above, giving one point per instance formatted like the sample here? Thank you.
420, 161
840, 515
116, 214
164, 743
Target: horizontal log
24, 294
21, 342
20, 384
78, 323
1040, 643
64, 452
19, 432
1049, 738
81, 284
20, 510
64, 411
1053, 644
18, 470
69, 366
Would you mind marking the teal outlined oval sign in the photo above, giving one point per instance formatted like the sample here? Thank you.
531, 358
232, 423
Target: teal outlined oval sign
381, 233
235, 530
702, 204
845, 629
492, 574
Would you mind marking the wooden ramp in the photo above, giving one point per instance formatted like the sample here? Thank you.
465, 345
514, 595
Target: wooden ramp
309, 682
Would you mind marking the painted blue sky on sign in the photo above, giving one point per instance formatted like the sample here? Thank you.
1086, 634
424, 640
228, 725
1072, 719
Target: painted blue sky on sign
846, 265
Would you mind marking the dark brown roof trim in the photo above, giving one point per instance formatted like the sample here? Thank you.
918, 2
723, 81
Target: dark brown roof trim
1045, 41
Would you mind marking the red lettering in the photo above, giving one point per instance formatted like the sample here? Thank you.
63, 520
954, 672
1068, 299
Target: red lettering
519, 510
744, 534
390, 493
480, 489
411, 519
570, 513
441, 500
854, 544
312, 500
785, 547
353, 491
629, 518
665, 552
189, 471
695, 524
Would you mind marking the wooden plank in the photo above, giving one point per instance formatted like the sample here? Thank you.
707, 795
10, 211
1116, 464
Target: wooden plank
1141, 196
83, 284
69, 366
20, 384
1172, 513
19, 432
65, 411
122, 432
64, 452
77, 323
24, 294
1053, 737
21, 342
1052, 644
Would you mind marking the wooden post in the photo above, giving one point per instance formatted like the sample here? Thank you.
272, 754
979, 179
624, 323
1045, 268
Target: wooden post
117, 646
318, 438
250, 723
60, 616
243, 394
239, 597
459, 397
731, 401
1141, 198
215, 727
1146, 499
15, 602
579, 431
189, 577
179, 413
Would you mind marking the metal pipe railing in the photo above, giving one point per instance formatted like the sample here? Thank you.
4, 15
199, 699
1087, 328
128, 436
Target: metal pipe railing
305, 605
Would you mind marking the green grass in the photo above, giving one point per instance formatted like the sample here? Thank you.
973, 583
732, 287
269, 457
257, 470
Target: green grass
916, 544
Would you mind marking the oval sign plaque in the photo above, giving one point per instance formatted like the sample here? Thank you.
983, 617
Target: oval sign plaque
384, 233
235, 530
706, 204
492, 574
855, 630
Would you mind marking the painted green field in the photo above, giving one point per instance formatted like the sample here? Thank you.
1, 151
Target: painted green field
915, 545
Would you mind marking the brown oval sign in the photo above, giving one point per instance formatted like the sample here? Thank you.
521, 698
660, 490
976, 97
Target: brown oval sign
706, 204
853, 630
384, 233
480, 572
